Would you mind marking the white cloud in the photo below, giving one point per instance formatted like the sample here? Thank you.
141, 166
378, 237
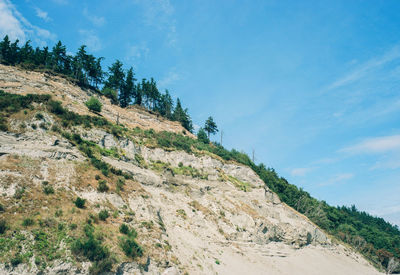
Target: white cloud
98, 21
9, 24
91, 40
300, 172
136, 52
17, 27
375, 145
364, 69
42, 14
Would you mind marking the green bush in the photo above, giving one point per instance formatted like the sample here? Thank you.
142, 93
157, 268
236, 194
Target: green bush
130, 247
3, 226
103, 215
92, 248
79, 202
16, 260
94, 104
202, 136
124, 229
111, 94
39, 116
47, 189
103, 187
28, 222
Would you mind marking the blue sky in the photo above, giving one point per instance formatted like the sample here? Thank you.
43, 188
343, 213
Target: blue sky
311, 86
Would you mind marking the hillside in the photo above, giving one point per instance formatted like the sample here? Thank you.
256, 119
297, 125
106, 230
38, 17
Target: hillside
81, 194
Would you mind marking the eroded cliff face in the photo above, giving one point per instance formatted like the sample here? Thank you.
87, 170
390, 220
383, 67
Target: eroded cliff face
194, 213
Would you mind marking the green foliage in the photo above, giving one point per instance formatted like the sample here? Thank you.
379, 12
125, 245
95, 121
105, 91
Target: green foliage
48, 190
130, 247
202, 136
39, 116
79, 202
124, 229
3, 226
103, 187
94, 104
28, 222
111, 94
92, 249
210, 126
103, 215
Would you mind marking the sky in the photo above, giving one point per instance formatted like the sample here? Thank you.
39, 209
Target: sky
311, 86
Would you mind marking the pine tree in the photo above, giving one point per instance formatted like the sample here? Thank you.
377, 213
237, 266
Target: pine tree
165, 105
116, 77
210, 127
26, 53
59, 57
5, 49
202, 136
128, 89
182, 116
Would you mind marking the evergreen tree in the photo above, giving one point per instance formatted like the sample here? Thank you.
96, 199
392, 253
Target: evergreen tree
59, 57
165, 105
210, 127
182, 116
128, 89
26, 54
116, 77
202, 136
5, 49
154, 94
14, 52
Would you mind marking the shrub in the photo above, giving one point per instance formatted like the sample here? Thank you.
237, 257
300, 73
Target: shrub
28, 222
16, 260
97, 177
79, 202
39, 116
73, 226
111, 94
130, 247
103, 215
3, 226
124, 229
48, 190
93, 250
120, 184
56, 107
94, 104
1, 208
202, 136
103, 187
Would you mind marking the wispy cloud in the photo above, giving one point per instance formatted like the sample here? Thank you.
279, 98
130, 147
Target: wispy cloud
98, 21
338, 179
91, 40
42, 14
300, 172
160, 14
374, 145
135, 52
171, 77
17, 27
9, 24
364, 69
